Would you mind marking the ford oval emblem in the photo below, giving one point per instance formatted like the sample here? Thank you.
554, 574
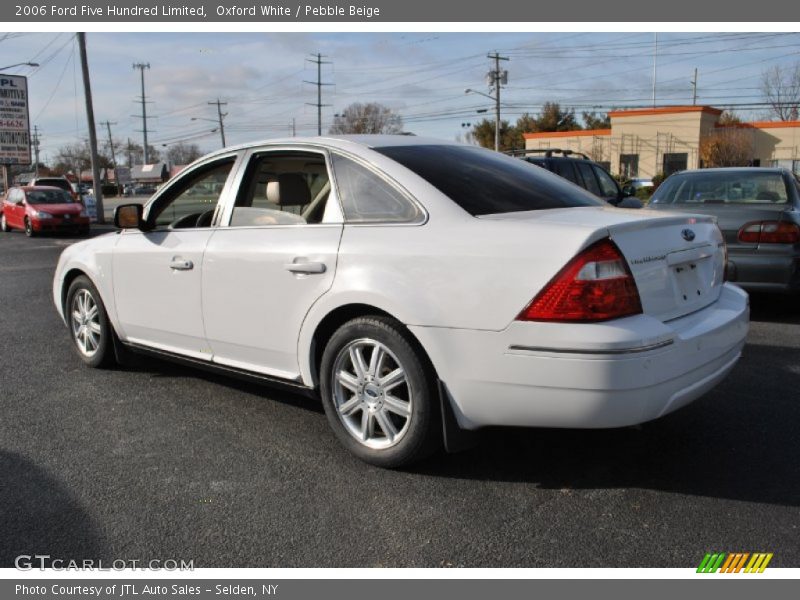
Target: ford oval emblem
687, 234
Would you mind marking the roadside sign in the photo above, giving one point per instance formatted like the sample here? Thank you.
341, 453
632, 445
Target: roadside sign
90, 205
15, 133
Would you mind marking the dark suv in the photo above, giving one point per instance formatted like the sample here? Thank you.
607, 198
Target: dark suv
581, 170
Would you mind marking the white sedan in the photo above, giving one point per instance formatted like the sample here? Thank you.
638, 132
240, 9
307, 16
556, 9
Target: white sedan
421, 288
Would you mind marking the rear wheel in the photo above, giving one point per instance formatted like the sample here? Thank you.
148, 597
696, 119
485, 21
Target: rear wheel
29, 228
379, 394
4, 224
88, 324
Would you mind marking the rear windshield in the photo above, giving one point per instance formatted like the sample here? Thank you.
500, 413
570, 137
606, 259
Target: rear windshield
49, 197
59, 183
722, 187
484, 182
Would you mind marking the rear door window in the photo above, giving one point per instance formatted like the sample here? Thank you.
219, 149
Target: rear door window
589, 180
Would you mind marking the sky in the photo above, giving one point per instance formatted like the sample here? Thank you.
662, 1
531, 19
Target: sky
421, 76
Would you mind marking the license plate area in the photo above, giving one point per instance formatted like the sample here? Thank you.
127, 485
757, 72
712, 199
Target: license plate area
692, 285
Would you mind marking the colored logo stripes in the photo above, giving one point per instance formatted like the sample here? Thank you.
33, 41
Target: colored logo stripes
735, 562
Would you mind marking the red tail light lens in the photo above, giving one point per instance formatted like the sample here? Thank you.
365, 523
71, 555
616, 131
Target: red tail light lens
596, 285
769, 232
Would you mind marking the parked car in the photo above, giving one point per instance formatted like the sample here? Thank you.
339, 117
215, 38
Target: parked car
421, 288
38, 209
581, 170
631, 186
55, 181
144, 190
758, 210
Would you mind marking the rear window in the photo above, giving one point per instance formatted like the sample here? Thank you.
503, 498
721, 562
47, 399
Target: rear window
484, 182
59, 183
731, 187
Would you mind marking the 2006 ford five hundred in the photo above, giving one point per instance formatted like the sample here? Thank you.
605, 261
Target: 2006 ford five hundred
421, 288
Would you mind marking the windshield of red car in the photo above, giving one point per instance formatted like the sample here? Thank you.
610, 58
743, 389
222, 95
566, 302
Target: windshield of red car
49, 197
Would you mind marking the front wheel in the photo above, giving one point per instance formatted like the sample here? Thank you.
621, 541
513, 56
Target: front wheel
29, 228
379, 393
88, 324
4, 224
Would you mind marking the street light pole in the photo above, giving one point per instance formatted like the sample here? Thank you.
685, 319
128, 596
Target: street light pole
22, 64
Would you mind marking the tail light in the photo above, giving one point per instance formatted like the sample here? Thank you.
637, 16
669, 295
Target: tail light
769, 232
596, 285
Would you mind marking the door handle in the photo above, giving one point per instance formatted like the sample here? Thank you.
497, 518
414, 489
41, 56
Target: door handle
181, 264
305, 267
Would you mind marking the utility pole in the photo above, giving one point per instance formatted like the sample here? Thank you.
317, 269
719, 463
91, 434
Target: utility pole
142, 67
497, 78
87, 90
694, 88
319, 62
221, 115
36, 150
294, 128
108, 125
130, 154
655, 61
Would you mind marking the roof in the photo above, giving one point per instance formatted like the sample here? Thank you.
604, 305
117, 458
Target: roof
664, 110
731, 169
154, 171
575, 133
337, 141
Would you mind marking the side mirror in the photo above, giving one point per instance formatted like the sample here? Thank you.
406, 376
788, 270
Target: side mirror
128, 216
628, 190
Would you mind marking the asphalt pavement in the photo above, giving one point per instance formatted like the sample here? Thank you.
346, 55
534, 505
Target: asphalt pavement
163, 462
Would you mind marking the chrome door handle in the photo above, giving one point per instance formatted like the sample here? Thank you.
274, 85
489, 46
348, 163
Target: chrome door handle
181, 264
305, 267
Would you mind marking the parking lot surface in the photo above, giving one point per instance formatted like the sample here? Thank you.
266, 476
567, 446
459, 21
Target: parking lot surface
163, 462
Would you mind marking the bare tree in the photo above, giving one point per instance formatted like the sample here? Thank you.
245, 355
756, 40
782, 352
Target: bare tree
731, 146
183, 153
367, 118
780, 87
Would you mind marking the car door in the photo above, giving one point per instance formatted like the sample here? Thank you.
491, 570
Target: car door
15, 215
157, 273
273, 258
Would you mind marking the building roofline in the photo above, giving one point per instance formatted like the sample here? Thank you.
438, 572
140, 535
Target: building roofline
664, 110
559, 134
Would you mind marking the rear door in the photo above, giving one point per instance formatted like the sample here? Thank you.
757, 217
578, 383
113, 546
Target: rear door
274, 257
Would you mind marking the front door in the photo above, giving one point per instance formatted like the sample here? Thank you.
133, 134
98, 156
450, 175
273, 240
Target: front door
272, 260
157, 273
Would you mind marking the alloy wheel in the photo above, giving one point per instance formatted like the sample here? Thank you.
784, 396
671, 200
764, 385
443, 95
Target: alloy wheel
86, 328
371, 393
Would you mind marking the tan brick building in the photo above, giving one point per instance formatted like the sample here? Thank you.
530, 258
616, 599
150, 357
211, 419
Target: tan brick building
644, 142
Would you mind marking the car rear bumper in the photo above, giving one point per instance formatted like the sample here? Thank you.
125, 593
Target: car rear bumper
768, 272
593, 375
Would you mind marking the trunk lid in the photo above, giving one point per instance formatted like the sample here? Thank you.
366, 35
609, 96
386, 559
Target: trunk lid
677, 260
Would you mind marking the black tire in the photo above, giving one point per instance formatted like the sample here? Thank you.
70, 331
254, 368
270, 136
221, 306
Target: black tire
4, 224
29, 228
102, 354
414, 437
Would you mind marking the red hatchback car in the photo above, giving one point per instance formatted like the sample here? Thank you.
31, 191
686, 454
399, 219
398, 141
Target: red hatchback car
37, 209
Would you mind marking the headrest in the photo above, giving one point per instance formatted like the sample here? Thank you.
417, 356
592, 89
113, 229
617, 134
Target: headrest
290, 190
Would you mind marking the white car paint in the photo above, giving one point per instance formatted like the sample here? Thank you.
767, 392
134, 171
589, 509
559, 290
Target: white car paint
457, 282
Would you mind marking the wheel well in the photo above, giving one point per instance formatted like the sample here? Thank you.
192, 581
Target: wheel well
338, 317
71, 276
